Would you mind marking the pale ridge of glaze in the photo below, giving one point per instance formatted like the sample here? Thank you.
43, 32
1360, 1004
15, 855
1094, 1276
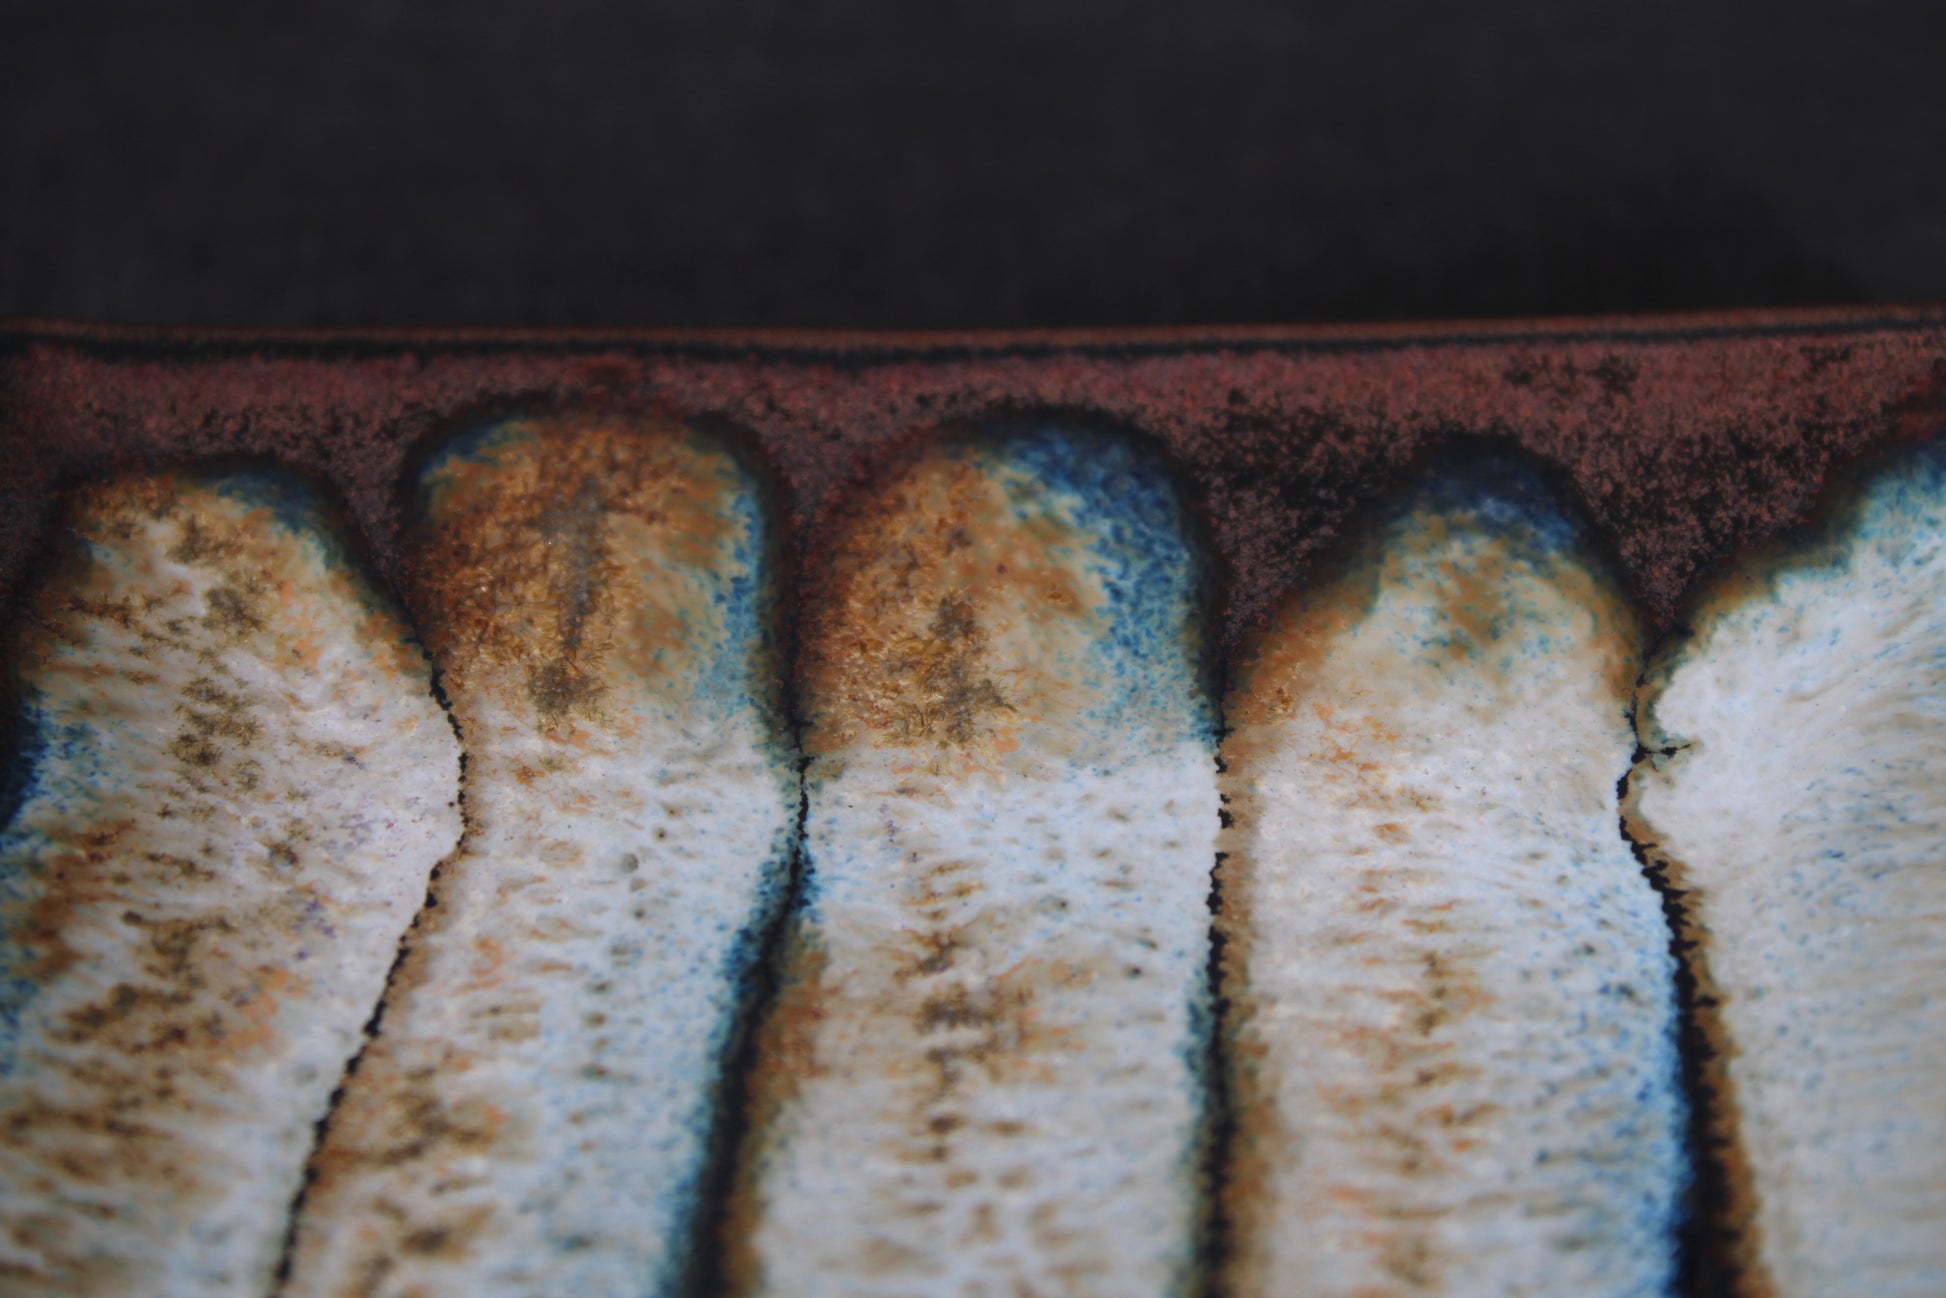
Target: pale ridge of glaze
984, 1073
535, 1110
238, 783
1453, 1030
1797, 791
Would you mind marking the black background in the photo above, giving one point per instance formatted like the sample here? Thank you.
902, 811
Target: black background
911, 163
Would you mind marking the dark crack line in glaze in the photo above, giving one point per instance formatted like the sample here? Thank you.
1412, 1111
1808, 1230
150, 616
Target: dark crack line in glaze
701, 1272
1704, 1268
1217, 1235
287, 1254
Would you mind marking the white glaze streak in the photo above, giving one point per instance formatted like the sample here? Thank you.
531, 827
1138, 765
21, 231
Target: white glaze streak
985, 1076
1453, 1054
244, 785
535, 1112
1803, 808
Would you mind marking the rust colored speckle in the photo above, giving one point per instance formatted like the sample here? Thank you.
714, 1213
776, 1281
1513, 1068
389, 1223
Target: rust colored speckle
898, 646
586, 489
170, 871
1683, 437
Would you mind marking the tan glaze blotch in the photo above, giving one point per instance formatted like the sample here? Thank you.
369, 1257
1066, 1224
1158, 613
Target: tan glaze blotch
1442, 963
535, 1110
1792, 791
947, 624
243, 784
573, 565
981, 1072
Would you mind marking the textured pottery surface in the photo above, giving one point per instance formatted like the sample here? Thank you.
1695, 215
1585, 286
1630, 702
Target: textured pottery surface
1355, 813
1455, 1028
1795, 787
236, 784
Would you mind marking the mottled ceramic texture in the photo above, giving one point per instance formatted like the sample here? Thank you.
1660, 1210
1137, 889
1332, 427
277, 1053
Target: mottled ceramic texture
537, 1109
1453, 1029
1682, 438
1795, 791
236, 785
985, 1072
1681, 435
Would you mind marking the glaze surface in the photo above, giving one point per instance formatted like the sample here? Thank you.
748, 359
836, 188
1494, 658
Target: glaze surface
236, 785
537, 1107
984, 1073
1452, 1038
1795, 790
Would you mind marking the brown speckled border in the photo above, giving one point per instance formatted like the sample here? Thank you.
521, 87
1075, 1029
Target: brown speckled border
1683, 436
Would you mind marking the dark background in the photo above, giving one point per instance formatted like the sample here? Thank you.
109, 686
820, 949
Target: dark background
912, 163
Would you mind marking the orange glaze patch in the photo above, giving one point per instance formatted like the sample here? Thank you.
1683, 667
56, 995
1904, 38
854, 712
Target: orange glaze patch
564, 553
591, 591
1001, 945
960, 617
1475, 615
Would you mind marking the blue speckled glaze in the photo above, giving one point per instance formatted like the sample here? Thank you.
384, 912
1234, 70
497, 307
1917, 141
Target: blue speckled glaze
1126, 504
291, 502
1125, 508
744, 664
1508, 504
485, 445
1488, 503
1497, 495
1896, 508
1426, 750
1892, 510
63, 765
297, 506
